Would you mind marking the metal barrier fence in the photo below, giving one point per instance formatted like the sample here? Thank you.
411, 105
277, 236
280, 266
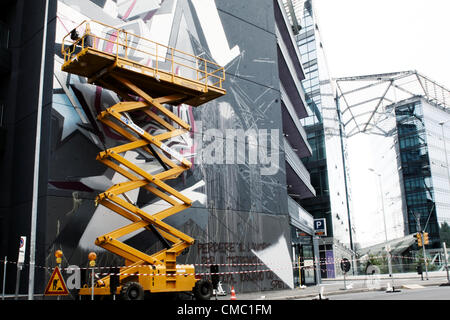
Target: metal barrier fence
368, 271
397, 267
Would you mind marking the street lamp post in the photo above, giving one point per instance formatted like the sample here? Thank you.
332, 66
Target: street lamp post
384, 221
448, 179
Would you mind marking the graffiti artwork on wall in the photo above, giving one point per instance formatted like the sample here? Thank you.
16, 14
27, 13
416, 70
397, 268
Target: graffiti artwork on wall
237, 179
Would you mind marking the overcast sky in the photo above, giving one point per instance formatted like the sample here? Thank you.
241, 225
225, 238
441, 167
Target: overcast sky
377, 36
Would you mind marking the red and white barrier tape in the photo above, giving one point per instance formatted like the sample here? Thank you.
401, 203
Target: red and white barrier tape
295, 265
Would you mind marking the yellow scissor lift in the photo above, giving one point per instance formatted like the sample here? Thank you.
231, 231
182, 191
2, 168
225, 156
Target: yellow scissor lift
108, 57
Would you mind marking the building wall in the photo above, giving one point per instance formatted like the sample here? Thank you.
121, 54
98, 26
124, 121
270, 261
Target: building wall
326, 165
423, 166
438, 138
296, 146
20, 91
238, 206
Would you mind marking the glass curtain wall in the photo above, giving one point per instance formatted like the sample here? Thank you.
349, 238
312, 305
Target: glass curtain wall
416, 170
326, 165
319, 206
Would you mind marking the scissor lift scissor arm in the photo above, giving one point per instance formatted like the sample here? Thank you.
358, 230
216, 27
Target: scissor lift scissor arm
144, 88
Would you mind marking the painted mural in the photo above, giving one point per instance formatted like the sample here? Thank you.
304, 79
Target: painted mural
237, 181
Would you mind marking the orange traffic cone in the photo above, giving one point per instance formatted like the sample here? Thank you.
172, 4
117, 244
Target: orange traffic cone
233, 294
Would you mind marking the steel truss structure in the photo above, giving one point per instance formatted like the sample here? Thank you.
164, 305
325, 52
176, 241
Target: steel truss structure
364, 101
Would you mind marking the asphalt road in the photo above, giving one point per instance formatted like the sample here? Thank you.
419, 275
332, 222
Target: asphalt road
425, 293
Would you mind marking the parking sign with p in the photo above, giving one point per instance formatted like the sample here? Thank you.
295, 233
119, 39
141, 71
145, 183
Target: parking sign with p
320, 227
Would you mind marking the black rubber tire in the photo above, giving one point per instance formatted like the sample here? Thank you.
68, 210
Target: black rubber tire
132, 291
203, 290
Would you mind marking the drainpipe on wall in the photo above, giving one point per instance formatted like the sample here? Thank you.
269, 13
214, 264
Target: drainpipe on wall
37, 150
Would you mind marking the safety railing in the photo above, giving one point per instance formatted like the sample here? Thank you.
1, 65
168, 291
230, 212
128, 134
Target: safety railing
142, 51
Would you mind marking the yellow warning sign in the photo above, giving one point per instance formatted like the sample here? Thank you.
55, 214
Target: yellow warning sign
56, 285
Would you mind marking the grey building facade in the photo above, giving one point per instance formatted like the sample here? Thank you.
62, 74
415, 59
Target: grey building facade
326, 138
20, 65
246, 146
296, 147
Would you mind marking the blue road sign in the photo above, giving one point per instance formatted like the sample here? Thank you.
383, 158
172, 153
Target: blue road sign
320, 227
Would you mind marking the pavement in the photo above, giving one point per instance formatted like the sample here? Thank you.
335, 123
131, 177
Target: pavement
330, 287
353, 284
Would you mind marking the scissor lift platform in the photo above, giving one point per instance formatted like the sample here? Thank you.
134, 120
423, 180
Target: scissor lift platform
146, 75
102, 52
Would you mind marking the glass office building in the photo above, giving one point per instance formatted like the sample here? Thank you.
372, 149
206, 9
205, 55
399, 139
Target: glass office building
422, 143
326, 165
397, 126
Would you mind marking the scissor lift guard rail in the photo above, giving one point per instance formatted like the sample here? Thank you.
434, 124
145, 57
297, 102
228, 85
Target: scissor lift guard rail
107, 57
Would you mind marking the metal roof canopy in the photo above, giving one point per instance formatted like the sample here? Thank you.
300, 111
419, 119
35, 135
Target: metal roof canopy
363, 99
397, 246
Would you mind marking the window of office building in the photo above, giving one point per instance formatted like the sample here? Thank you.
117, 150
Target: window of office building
415, 162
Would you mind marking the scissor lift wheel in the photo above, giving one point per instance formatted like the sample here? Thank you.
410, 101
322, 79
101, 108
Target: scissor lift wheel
132, 291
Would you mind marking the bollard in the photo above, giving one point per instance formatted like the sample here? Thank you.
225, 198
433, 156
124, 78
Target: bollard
444, 246
320, 296
92, 256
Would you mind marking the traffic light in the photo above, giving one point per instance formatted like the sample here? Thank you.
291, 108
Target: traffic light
425, 238
418, 237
